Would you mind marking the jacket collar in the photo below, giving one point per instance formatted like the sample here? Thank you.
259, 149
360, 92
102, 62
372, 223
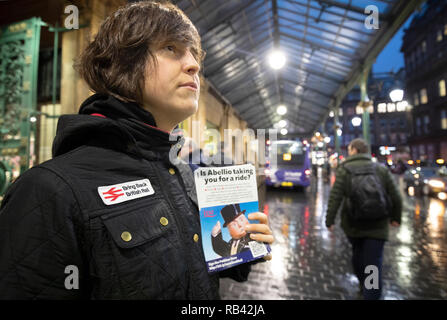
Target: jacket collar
359, 156
105, 120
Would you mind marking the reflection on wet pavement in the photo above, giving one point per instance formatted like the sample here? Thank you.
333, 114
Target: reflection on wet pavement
311, 263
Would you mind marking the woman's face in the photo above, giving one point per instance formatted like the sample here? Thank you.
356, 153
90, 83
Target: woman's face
171, 88
236, 228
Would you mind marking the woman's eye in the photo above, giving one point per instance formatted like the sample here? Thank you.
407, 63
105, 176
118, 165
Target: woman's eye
170, 48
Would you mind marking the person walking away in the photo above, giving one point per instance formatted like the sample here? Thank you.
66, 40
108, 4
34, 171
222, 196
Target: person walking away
370, 201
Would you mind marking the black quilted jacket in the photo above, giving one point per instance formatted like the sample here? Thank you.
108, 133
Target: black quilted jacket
109, 207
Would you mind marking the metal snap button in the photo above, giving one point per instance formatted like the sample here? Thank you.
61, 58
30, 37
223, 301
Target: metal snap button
171, 171
126, 236
196, 237
164, 221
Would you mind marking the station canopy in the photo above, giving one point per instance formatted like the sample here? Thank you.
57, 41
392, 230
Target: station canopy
325, 42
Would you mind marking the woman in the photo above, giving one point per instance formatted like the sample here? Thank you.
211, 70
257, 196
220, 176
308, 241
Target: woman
110, 216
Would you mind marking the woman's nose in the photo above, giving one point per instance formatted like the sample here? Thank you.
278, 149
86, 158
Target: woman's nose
191, 65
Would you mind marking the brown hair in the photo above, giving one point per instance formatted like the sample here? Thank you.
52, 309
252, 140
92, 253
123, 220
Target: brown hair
360, 145
115, 61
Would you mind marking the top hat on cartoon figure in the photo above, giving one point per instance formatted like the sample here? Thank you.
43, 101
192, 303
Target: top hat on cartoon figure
231, 212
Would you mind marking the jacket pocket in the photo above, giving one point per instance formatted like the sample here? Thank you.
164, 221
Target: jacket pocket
135, 250
138, 226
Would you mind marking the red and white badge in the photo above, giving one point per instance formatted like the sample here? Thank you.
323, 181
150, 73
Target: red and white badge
125, 191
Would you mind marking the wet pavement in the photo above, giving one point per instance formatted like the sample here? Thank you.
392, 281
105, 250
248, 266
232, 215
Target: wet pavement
311, 263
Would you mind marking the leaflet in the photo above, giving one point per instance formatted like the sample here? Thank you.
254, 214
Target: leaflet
226, 196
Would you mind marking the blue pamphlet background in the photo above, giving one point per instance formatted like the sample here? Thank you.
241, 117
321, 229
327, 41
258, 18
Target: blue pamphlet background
209, 217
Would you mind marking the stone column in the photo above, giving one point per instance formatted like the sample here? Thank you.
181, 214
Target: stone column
91, 13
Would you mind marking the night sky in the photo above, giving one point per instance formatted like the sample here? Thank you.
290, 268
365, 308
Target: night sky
391, 59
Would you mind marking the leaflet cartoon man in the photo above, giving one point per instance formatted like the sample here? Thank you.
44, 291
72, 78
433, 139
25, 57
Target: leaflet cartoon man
236, 223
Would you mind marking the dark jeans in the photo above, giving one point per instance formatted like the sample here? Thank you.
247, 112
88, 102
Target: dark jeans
367, 252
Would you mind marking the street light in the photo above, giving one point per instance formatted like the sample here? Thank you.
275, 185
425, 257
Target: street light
276, 59
397, 95
356, 121
283, 131
281, 110
282, 123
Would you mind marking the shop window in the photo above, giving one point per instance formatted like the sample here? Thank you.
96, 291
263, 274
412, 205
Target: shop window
418, 126
393, 124
403, 137
393, 138
424, 98
391, 107
439, 36
442, 88
401, 106
416, 99
381, 107
426, 123
358, 110
421, 150
444, 120
402, 123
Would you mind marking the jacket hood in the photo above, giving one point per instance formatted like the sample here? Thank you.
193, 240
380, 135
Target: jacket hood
108, 122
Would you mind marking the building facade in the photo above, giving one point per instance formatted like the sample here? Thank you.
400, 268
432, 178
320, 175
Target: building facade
390, 122
425, 50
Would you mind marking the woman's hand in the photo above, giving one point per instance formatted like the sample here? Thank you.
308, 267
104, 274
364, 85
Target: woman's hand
260, 231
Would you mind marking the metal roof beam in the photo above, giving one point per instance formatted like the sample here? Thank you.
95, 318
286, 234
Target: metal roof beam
315, 103
319, 74
324, 94
325, 21
243, 111
231, 14
329, 12
258, 116
237, 81
331, 64
320, 29
317, 45
348, 7
321, 52
252, 93
218, 39
237, 54
208, 14
319, 36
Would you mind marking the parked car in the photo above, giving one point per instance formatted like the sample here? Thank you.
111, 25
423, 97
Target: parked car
436, 185
415, 178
